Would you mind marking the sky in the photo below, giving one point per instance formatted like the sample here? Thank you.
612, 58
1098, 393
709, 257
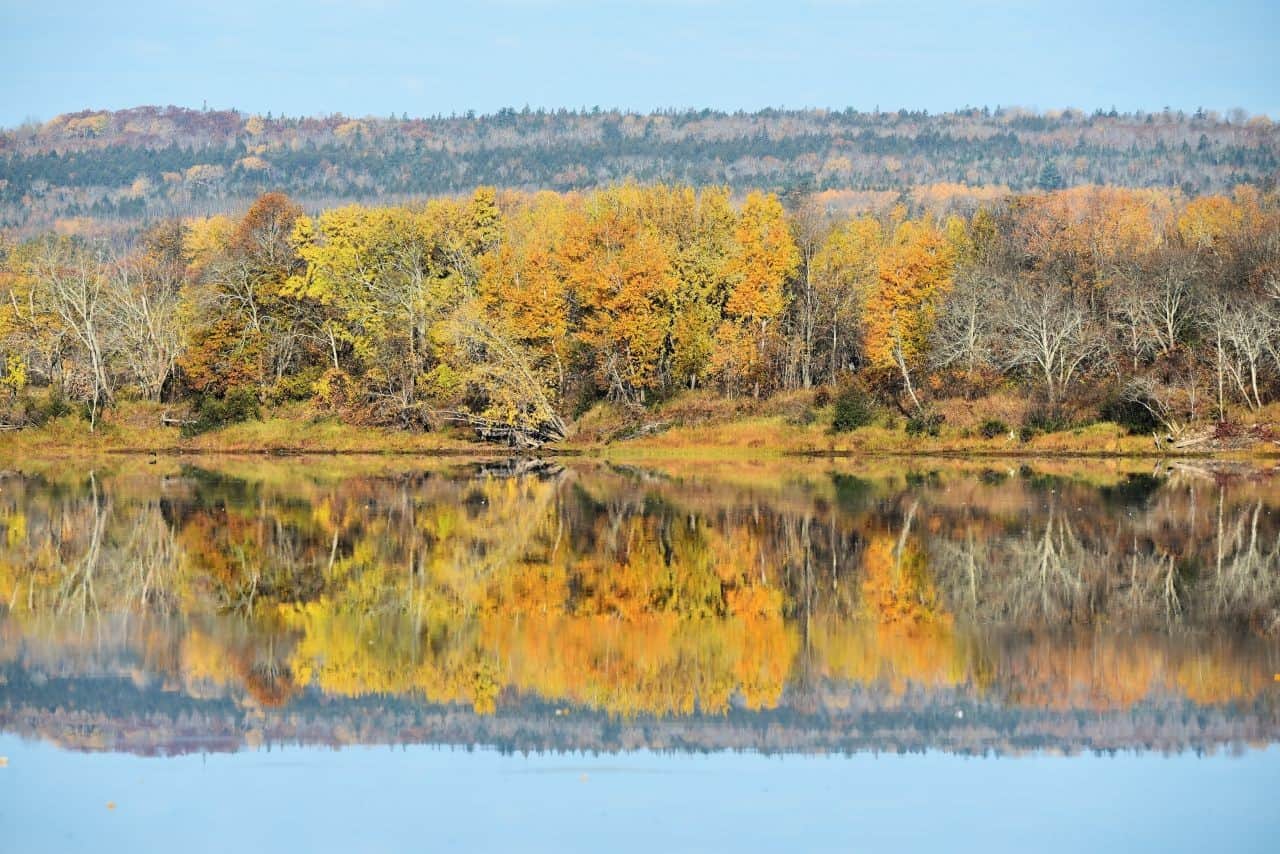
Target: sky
378, 57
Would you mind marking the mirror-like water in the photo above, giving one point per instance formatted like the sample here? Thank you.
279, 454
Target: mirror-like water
544, 605
787, 608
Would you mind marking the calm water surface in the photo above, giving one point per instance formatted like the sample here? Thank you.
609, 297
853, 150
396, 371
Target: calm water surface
381, 654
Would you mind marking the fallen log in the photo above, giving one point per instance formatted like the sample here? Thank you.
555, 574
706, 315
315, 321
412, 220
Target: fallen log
526, 436
1191, 441
1223, 436
650, 429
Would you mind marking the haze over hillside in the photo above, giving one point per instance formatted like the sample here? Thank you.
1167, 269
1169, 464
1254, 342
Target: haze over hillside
152, 162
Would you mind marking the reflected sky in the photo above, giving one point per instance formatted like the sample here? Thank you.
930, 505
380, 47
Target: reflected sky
421, 798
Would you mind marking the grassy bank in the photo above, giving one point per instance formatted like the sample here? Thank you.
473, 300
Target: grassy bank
692, 426
137, 428
706, 426
772, 436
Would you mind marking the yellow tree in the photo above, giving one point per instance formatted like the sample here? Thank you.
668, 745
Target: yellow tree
764, 256
844, 271
697, 230
915, 272
391, 274
31, 337
620, 274
1205, 223
522, 282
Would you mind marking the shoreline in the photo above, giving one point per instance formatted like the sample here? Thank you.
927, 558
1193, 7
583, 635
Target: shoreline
628, 451
681, 436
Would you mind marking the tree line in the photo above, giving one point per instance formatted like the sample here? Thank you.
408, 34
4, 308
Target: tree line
515, 312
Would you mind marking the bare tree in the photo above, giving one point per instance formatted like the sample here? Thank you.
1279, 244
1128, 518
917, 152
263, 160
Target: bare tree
1172, 306
900, 358
1043, 331
1243, 332
963, 335
1152, 310
72, 284
142, 307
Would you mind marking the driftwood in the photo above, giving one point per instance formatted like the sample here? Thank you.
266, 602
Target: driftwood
1219, 437
650, 429
1198, 440
527, 436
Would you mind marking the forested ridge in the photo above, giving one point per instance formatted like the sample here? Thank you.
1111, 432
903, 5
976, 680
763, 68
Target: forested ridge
516, 313
92, 170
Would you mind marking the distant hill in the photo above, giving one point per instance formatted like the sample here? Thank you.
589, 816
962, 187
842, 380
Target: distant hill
150, 162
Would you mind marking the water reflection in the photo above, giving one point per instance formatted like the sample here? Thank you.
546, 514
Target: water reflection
790, 607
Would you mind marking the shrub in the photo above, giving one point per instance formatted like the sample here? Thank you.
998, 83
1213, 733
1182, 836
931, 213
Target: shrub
1043, 421
51, 408
239, 404
992, 428
854, 408
925, 423
56, 406
803, 418
32, 410
333, 389
1129, 414
298, 386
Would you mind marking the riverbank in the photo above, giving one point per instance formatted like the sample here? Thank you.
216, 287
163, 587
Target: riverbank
691, 427
138, 428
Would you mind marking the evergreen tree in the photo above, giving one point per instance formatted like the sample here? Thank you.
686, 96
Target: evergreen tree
1050, 178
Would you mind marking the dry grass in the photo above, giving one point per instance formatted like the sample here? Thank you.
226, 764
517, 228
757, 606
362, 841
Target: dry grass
695, 425
291, 435
969, 415
790, 424
135, 427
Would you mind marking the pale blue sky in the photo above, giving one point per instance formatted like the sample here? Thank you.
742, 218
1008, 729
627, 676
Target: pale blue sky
374, 57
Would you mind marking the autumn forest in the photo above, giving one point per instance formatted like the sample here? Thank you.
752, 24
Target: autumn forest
526, 318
